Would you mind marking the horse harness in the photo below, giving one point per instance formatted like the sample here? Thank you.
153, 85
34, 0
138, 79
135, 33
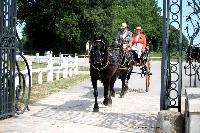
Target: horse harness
107, 63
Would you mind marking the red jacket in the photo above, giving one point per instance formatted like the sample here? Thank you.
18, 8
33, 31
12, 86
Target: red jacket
141, 39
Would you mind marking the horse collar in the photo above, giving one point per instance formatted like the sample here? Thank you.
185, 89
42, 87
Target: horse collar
102, 68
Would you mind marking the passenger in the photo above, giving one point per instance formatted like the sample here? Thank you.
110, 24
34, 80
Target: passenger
139, 41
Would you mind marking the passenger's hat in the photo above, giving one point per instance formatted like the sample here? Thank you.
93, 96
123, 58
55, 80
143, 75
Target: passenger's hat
138, 28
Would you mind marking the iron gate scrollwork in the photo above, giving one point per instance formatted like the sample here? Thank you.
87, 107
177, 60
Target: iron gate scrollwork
171, 71
10, 95
22, 97
192, 68
8, 56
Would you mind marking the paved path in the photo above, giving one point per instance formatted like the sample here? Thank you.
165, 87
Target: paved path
70, 110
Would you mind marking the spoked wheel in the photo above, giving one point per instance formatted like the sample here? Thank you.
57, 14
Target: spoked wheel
148, 73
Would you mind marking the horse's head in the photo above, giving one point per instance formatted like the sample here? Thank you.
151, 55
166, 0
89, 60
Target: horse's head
99, 51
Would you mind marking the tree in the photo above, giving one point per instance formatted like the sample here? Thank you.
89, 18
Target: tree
97, 20
144, 13
174, 40
66, 25
51, 25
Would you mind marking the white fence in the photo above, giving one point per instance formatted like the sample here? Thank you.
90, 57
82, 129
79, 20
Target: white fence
68, 66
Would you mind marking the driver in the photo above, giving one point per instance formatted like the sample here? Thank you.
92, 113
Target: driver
124, 36
139, 41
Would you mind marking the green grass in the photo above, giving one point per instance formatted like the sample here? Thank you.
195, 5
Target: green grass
39, 91
173, 56
83, 68
22, 65
155, 54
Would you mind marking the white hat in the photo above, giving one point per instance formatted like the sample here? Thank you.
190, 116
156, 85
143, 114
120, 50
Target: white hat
138, 28
124, 25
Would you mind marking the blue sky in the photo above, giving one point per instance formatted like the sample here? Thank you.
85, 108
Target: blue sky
160, 4
19, 30
186, 11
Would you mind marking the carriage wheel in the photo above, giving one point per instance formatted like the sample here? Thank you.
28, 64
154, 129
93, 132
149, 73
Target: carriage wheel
148, 75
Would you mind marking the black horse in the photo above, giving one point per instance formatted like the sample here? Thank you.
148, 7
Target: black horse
103, 66
126, 66
125, 72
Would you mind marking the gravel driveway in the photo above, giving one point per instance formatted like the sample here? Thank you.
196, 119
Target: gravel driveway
70, 111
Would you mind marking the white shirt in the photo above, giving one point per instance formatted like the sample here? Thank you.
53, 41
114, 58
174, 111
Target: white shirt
137, 37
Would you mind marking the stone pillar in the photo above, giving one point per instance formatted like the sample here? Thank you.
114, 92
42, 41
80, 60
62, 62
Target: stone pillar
169, 122
192, 109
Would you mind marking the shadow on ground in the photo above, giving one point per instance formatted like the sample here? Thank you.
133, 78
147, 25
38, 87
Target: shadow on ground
90, 95
79, 111
80, 114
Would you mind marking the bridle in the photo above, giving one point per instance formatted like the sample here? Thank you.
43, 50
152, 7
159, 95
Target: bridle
95, 62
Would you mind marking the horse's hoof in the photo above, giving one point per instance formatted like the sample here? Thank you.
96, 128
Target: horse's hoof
121, 95
95, 110
107, 102
126, 88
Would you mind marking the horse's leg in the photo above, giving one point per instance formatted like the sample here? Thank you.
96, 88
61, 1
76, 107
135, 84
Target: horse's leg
123, 85
127, 79
94, 84
112, 82
126, 85
107, 97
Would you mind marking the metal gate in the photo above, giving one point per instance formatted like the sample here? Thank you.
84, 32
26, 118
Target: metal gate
13, 97
171, 72
192, 68
7, 56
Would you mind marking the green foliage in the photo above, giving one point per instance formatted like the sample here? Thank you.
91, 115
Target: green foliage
97, 20
83, 68
65, 26
174, 40
68, 26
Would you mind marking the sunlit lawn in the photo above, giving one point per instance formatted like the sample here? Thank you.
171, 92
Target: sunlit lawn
39, 91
